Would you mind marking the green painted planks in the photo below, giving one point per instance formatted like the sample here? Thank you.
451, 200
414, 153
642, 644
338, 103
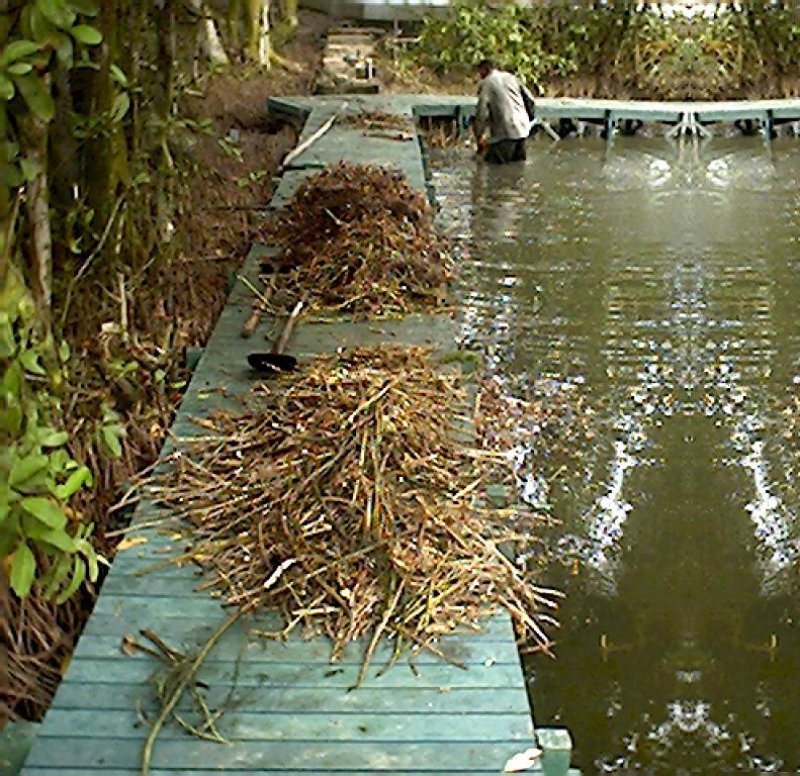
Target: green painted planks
290, 706
294, 107
352, 145
367, 700
167, 623
182, 582
142, 607
288, 674
181, 755
464, 649
104, 641
256, 726
172, 627
16, 739
139, 561
242, 770
446, 105
342, 143
140, 611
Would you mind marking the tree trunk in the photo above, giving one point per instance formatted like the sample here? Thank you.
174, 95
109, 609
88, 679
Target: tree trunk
64, 162
38, 210
257, 20
289, 12
8, 233
234, 25
210, 42
106, 159
166, 60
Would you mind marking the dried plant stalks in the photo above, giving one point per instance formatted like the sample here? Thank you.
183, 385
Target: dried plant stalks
178, 680
35, 645
375, 119
362, 241
378, 121
344, 499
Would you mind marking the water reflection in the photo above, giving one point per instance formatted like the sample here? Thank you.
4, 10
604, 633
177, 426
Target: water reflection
662, 279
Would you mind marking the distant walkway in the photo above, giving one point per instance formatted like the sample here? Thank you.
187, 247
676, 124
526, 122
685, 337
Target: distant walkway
612, 113
668, 111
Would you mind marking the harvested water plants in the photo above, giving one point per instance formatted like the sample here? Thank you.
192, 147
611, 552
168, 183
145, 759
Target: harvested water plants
361, 241
362, 521
344, 451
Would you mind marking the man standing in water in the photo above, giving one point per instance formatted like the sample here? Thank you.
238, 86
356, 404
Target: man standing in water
503, 111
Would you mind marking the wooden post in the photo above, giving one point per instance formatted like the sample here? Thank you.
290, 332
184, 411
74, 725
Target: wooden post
608, 125
769, 124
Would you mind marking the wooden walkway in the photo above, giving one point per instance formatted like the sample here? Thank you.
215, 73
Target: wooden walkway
610, 112
668, 112
289, 709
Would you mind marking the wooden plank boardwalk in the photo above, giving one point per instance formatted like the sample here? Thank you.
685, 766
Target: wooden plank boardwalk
289, 710
667, 112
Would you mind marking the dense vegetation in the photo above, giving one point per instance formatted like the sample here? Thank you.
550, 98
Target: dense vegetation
99, 295
622, 49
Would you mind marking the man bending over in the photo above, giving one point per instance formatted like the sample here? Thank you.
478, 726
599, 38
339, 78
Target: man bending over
501, 110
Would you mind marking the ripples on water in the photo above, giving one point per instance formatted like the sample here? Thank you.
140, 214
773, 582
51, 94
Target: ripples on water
663, 280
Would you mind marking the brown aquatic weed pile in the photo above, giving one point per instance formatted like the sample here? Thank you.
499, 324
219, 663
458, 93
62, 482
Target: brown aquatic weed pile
345, 499
360, 240
377, 121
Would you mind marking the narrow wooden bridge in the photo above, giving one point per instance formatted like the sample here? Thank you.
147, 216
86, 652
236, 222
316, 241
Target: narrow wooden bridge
613, 114
289, 710
690, 117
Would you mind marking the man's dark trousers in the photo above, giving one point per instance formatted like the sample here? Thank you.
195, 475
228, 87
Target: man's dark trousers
504, 151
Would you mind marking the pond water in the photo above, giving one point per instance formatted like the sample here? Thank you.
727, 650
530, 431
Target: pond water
662, 282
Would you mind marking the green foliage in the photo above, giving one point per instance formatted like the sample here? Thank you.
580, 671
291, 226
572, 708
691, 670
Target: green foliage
707, 56
36, 35
537, 42
111, 431
42, 541
641, 50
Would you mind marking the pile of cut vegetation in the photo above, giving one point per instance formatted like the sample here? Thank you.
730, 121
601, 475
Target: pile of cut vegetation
344, 499
369, 120
361, 241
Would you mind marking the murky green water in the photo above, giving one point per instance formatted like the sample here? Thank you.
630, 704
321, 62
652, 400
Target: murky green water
663, 283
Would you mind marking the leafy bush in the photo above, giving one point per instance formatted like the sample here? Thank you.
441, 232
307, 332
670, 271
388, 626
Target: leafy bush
631, 49
38, 35
43, 541
536, 42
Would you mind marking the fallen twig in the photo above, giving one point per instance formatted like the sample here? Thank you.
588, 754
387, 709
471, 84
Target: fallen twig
177, 693
313, 138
